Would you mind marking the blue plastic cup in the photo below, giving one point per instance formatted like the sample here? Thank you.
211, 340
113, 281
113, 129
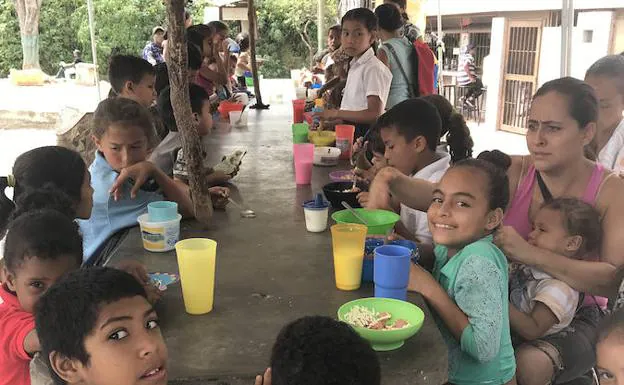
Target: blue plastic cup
368, 267
162, 211
382, 292
392, 266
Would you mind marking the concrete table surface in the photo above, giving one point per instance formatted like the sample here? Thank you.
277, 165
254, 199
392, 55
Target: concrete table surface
270, 271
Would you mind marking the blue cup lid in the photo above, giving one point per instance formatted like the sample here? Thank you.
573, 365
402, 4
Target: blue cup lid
316, 204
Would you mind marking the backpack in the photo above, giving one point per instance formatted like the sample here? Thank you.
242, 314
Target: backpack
426, 68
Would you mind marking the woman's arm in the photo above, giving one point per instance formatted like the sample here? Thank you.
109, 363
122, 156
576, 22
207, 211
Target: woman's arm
532, 326
412, 192
367, 116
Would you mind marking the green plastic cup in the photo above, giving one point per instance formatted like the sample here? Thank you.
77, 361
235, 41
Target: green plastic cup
300, 133
379, 221
386, 340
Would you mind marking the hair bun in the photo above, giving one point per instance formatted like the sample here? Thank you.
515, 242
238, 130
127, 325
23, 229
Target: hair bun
497, 158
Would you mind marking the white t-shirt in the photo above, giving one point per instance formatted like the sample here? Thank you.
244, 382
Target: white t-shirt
529, 286
414, 220
368, 76
612, 154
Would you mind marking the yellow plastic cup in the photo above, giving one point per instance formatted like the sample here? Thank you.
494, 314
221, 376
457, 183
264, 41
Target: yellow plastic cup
348, 242
196, 262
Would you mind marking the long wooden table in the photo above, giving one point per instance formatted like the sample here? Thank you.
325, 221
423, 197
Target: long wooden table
270, 271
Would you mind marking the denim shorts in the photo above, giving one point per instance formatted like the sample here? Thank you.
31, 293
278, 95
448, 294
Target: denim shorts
572, 350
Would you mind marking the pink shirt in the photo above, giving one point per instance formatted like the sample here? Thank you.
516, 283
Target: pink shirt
15, 324
517, 215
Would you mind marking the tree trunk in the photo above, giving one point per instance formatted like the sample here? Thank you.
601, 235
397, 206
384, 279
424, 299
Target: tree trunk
181, 103
28, 12
251, 14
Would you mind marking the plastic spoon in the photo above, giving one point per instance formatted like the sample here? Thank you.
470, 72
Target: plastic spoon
352, 211
245, 213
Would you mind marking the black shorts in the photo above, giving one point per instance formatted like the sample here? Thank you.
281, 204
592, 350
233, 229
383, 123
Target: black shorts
572, 350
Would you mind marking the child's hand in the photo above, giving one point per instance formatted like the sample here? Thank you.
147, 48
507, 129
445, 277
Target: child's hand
219, 196
136, 269
420, 280
264, 380
363, 198
219, 177
327, 114
139, 173
510, 242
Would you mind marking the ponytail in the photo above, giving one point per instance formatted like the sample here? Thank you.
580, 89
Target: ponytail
6, 205
458, 138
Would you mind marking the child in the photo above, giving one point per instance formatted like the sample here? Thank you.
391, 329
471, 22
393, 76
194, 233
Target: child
40, 247
169, 155
398, 54
243, 62
97, 327
368, 81
411, 132
43, 176
609, 350
468, 289
124, 182
540, 304
606, 76
133, 78
336, 76
321, 351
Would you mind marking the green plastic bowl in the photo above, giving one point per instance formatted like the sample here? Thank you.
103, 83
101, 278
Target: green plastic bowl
379, 221
386, 340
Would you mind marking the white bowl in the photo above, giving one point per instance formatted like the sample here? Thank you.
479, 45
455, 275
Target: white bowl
326, 156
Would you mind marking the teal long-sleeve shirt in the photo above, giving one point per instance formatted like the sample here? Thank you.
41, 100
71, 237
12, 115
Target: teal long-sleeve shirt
476, 279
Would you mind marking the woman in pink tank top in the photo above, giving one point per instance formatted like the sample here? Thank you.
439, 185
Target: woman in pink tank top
562, 122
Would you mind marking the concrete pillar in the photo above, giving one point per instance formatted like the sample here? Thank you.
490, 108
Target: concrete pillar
494, 77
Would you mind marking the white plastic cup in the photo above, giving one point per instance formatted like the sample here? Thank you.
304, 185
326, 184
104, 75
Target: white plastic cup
316, 219
300, 92
235, 115
159, 237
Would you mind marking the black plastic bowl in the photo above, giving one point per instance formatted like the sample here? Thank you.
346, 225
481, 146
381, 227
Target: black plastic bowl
333, 193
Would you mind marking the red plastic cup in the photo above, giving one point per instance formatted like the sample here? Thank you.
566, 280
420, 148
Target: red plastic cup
298, 108
304, 156
344, 140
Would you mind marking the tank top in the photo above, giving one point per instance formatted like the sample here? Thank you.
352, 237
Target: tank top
517, 215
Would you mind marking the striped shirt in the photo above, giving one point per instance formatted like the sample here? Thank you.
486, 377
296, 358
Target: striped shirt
529, 286
466, 77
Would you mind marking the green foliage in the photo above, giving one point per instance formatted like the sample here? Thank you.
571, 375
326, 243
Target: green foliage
124, 26
280, 25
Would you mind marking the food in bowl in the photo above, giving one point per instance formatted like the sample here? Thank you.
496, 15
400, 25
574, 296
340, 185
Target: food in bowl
352, 190
364, 317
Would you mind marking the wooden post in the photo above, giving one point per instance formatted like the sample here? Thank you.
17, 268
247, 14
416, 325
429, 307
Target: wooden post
181, 103
251, 15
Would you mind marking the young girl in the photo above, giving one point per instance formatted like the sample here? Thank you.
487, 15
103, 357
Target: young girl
542, 305
468, 288
609, 350
41, 246
398, 54
124, 182
606, 76
368, 81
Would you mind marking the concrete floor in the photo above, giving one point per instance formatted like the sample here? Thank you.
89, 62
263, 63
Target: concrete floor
270, 271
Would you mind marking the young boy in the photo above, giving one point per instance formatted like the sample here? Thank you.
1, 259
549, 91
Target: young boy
321, 351
41, 246
169, 156
97, 327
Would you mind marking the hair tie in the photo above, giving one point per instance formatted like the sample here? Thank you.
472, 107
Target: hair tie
10, 180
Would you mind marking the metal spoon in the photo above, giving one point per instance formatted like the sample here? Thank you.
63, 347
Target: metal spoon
352, 211
241, 116
245, 213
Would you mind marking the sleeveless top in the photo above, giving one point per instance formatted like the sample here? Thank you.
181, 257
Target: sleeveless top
399, 88
517, 215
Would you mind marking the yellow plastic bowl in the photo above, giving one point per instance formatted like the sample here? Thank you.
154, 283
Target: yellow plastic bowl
322, 138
